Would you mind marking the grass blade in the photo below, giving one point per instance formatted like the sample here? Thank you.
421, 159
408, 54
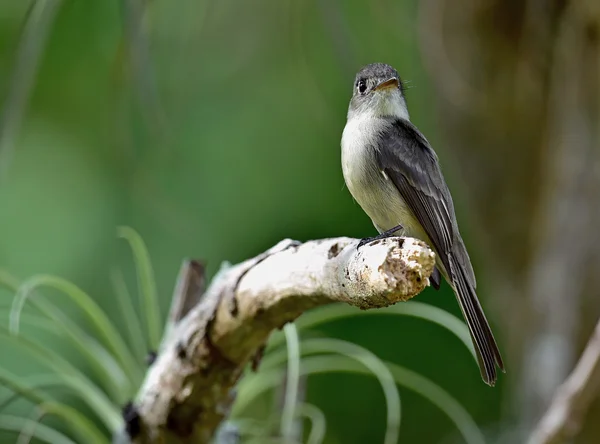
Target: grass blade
28, 431
36, 385
101, 362
292, 381
441, 399
135, 331
252, 387
77, 422
42, 432
105, 329
376, 367
71, 378
146, 283
37, 28
21, 388
317, 420
416, 309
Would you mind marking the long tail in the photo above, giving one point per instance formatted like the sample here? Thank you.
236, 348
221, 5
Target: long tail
488, 354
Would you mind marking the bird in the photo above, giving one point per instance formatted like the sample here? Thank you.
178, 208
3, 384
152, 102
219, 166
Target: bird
394, 174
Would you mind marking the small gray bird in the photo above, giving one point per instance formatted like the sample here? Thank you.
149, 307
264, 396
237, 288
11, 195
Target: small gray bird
394, 175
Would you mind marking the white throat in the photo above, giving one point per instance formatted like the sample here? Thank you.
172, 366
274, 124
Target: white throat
384, 103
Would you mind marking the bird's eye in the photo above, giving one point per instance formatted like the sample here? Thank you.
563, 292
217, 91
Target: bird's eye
361, 86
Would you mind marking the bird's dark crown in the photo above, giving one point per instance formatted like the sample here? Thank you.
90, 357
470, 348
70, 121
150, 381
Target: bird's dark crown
379, 71
371, 75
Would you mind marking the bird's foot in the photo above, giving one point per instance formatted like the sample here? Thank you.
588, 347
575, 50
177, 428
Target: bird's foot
388, 233
365, 241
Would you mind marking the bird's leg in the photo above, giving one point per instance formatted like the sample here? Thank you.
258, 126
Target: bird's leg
385, 234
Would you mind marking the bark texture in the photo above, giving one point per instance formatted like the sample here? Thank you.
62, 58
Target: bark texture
188, 390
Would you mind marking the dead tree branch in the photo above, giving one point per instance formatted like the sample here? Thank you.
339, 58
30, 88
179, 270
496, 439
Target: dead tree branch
188, 389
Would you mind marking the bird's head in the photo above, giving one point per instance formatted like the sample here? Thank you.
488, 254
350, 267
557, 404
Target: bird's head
378, 92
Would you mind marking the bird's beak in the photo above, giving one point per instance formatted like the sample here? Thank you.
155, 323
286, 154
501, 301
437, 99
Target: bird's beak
390, 83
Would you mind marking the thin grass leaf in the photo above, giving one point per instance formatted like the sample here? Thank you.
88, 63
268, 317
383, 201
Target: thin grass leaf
318, 422
104, 327
252, 387
116, 379
81, 426
292, 381
38, 26
135, 331
416, 309
146, 283
102, 364
415, 382
37, 385
110, 374
42, 432
267, 378
21, 388
376, 366
72, 378
34, 320
27, 431
441, 399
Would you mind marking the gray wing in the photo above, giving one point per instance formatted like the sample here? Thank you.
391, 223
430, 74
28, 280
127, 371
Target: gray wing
436, 278
408, 160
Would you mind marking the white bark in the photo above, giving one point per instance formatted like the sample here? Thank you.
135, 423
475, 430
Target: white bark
187, 391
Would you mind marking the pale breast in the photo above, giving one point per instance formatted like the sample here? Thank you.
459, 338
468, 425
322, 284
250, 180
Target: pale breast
370, 187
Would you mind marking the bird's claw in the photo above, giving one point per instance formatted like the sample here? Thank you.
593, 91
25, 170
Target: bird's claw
384, 235
365, 241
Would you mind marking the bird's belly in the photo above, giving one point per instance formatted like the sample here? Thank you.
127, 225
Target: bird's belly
370, 187
381, 200
387, 209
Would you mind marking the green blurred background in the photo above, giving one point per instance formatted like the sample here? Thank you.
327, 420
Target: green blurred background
213, 129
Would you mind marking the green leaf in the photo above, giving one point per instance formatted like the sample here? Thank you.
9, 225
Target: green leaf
72, 418
317, 420
416, 309
21, 388
132, 323
40, 431
250, 388
254, 385
36, 384
292, 381
146, 283
101, 362
71, 377
105, 329
76, 421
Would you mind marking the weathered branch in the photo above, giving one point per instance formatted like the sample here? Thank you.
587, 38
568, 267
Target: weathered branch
187, 391
566, 413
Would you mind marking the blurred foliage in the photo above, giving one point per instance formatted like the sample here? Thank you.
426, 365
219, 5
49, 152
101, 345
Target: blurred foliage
213, 129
